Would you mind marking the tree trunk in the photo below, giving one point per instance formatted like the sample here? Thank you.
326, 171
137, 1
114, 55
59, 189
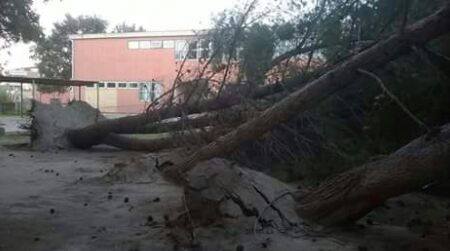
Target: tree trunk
172, 141
309, 96
94, 134
229, 117
352, 194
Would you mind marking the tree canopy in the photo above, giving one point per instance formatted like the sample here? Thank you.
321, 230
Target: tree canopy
358, 122
18, 21
124, 27
54, 53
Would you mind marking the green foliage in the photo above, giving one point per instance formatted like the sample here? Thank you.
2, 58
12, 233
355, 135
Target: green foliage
258, 47
54, 52
18, 21
253, 46
350, 25
4, 97
360, 122
225, 37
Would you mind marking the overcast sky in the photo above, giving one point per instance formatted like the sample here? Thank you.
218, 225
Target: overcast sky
151, 14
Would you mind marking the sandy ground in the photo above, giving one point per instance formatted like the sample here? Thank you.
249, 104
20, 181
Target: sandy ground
58, 201
55, 201
48, 201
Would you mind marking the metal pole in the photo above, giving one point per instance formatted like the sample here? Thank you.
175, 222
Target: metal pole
21, 99
34, 90
79, 93
98, 98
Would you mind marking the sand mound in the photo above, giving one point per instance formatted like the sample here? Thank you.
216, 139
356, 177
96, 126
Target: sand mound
50, 123
134, 170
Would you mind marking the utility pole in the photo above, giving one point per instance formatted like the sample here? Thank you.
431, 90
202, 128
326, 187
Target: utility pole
21, 99
98, 98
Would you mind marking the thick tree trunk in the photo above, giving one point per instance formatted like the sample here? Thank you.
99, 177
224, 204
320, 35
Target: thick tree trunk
309, 96
94, 134
229, 117
352, 194
172, 141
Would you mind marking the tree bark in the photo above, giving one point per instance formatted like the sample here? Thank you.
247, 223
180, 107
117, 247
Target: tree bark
94, 134
295, 52
352, 194
172, 141
310, 95
229, 117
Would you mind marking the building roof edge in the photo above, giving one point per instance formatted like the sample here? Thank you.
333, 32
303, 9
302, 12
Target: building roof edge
166, 33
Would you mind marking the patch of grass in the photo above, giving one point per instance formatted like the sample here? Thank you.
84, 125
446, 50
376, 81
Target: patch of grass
9, 114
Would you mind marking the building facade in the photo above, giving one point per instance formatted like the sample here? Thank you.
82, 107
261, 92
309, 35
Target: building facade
133, 69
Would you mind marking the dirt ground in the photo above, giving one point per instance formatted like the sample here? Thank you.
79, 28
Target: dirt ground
59, 201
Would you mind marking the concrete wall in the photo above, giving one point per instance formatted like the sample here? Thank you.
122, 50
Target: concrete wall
111, 60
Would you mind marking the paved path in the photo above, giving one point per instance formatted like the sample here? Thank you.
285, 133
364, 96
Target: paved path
11, 123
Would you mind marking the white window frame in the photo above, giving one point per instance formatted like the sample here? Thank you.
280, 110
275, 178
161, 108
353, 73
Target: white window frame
168, 44
156, 44
145, 44
181, 48
133, 45
154, 89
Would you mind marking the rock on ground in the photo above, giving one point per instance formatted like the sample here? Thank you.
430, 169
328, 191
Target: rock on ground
238, 192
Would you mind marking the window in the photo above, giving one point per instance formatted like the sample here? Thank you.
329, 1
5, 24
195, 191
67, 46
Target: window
168, 44
144, 45
192, 52
122, 85
133, 45
155, 44
205, 49
101, 85
90, 86
111, 85
150, 91
180, 49
132, 85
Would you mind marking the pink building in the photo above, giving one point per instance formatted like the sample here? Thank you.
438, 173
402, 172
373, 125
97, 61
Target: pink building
133, 69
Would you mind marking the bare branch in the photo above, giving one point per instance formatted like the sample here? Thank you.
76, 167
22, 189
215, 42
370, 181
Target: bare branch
395, 99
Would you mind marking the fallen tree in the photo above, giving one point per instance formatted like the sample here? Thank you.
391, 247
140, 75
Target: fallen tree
94, 134
228, 117
310, 95
352, 194
182, 138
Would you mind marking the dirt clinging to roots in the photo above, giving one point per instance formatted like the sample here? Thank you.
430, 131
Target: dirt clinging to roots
50, 123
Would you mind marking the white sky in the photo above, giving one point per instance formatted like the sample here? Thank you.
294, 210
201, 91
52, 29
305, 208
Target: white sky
151, 14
